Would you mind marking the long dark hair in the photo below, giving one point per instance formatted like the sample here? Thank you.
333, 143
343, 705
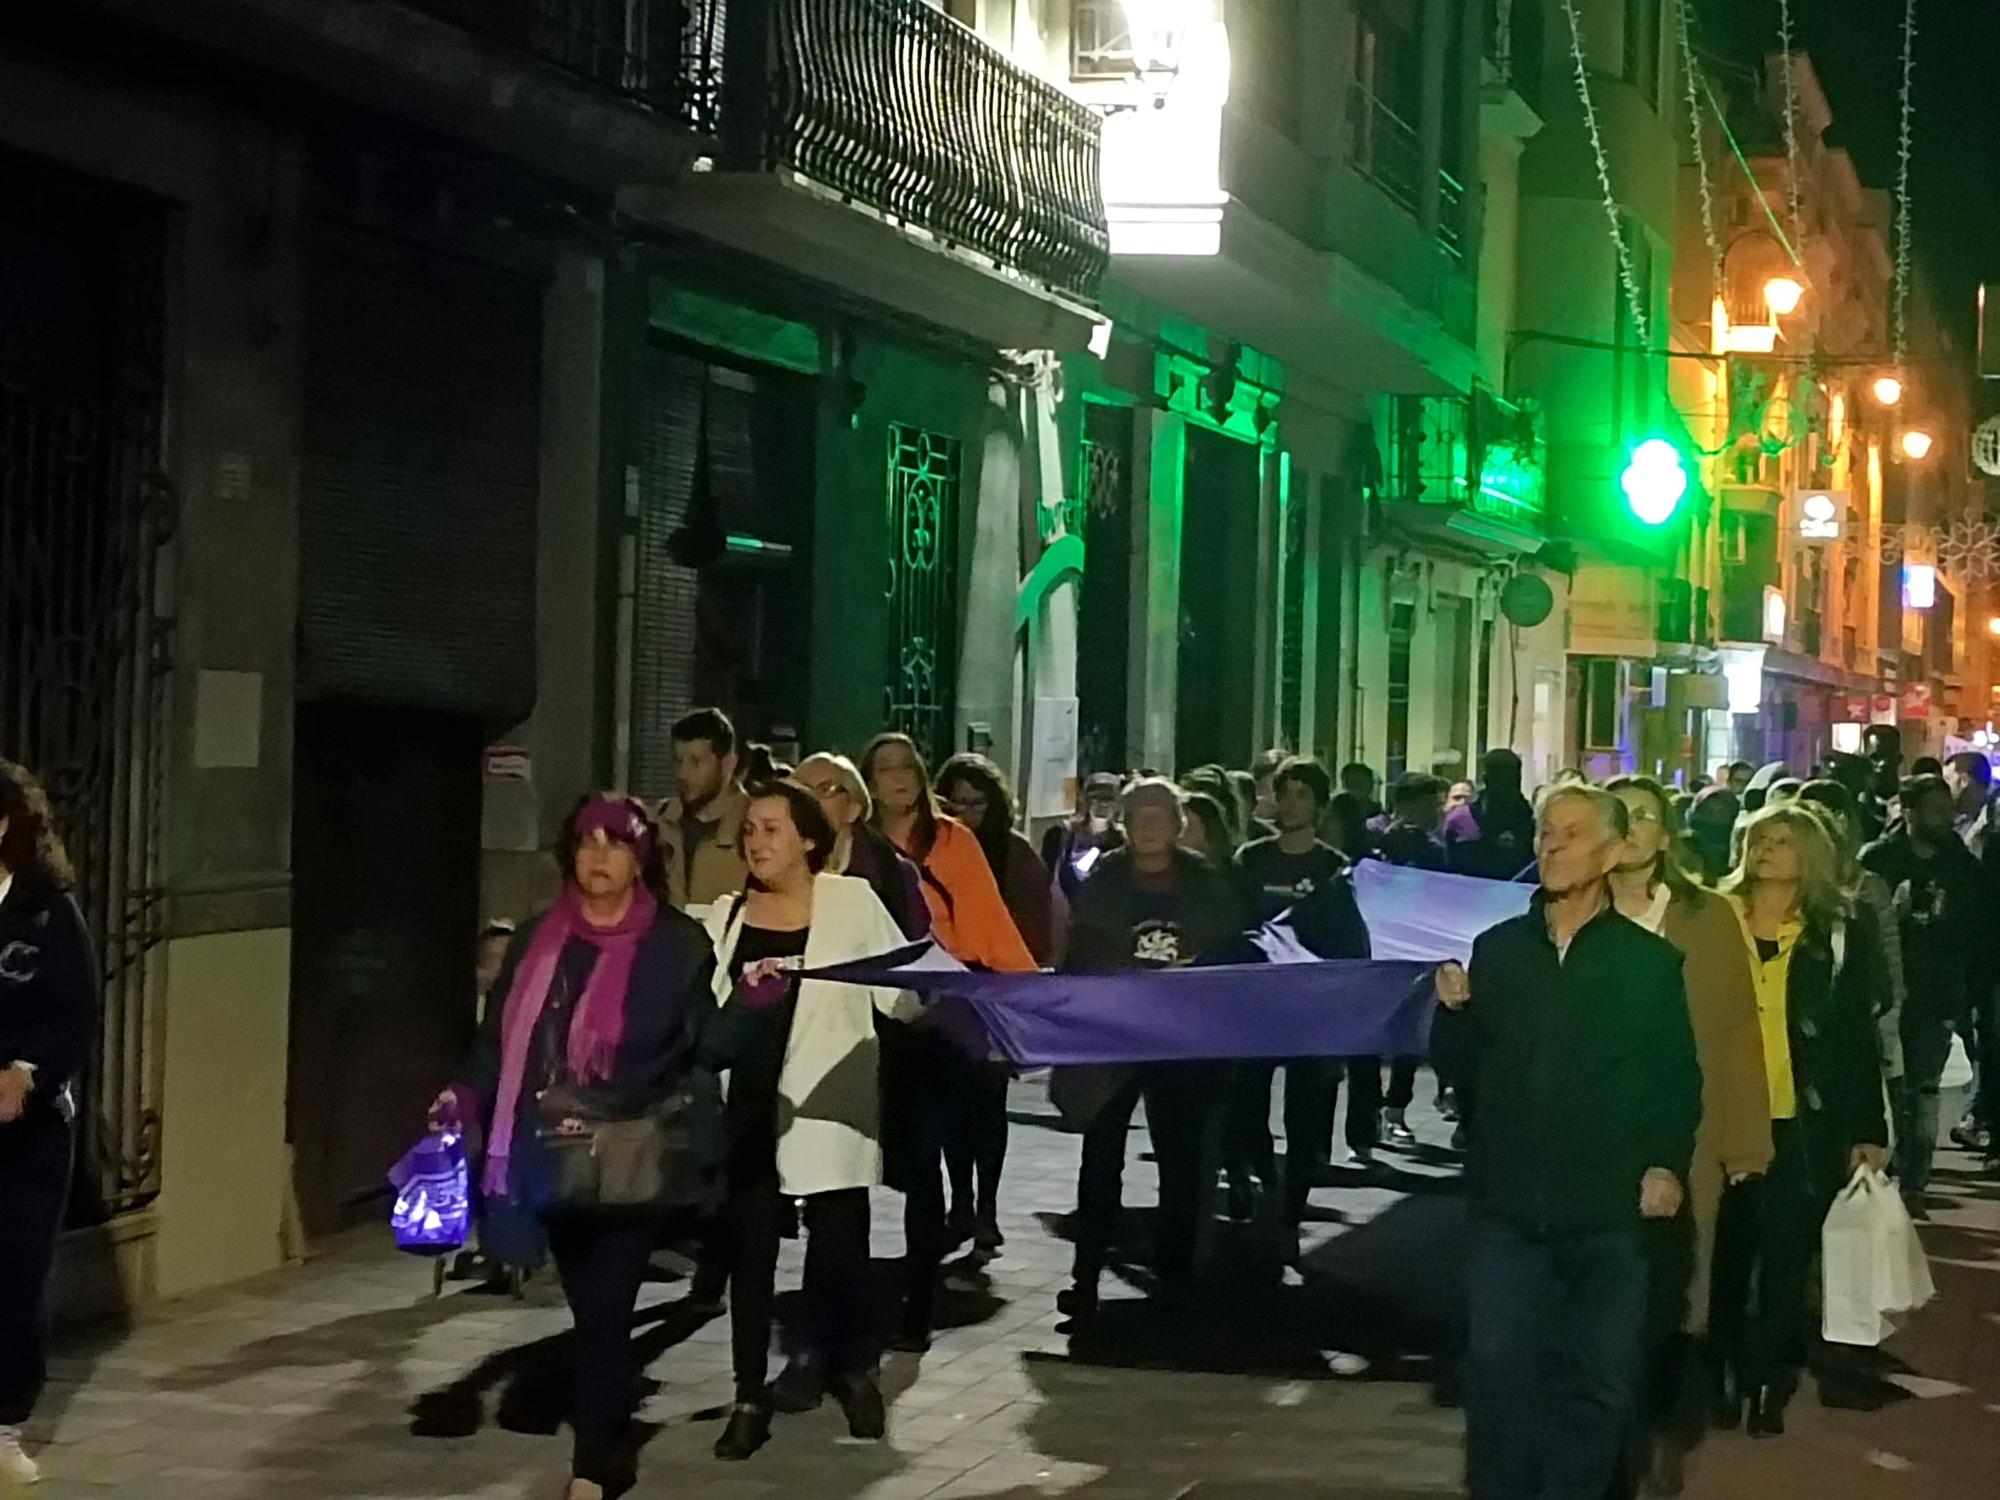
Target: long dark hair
996, 830
31, 849
925, 834
652, 861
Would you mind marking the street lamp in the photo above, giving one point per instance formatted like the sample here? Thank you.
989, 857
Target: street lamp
1654, 481
1916, 443
1887, 390
1993, 625
1782, 295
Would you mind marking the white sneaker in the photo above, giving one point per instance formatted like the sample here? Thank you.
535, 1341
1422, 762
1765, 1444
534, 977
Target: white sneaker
16, 1468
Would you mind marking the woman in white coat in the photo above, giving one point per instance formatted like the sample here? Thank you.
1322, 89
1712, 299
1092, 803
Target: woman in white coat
804, 1105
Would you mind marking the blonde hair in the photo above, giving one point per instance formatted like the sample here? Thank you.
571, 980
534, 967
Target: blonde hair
846, 773
1821, 896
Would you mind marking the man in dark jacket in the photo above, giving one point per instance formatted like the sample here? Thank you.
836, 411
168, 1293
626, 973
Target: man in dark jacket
1574, 1026
1493, 834
1275, 875
1936, 889
1150, 905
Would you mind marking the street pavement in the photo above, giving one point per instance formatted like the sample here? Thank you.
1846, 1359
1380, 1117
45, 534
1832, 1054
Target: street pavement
346, 1378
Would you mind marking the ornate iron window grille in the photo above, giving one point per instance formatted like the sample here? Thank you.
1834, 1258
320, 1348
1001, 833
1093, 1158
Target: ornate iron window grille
893, 104
924, 471
85, 630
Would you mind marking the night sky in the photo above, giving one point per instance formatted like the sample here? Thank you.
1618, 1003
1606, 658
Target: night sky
1856, 47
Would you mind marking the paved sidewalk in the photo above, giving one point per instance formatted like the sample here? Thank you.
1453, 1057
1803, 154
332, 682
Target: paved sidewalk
345, 1378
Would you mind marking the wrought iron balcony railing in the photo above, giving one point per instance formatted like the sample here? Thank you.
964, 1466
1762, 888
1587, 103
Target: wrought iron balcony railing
896, 106
665, 55
1385, 148
1452, 222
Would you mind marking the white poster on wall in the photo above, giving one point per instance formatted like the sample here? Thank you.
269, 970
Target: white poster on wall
1052, 779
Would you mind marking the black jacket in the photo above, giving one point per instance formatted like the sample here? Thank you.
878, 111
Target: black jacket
1583, 1070
671, 1019
1940, 900
1836, 1067
1118, 923
49, 988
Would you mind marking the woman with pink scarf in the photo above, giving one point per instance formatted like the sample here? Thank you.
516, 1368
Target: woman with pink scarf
602, 1001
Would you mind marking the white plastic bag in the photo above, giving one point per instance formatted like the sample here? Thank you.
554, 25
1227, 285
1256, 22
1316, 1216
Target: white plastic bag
1873, 1262
1957, 1067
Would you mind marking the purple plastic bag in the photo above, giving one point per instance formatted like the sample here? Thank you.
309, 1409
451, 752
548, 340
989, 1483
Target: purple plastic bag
433, 1183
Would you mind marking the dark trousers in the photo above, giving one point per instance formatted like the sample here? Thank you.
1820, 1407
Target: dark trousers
976, 1148
1670, 1388
1765, 1239
1985, 1048
602, 1264
34, 1187
1926, 1048
1364, 1100
837, 1285
1553, 1360
922, 1079
1402, 1083
1181, 1109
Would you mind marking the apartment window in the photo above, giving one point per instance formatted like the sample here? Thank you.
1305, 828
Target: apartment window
1386, 100
1100, 40
1600, 703
1642, 48
1402, 626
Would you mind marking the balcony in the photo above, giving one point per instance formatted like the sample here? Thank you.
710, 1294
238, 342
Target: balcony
1511, 43
1467, 470
663, 55
883, 150
1385, 148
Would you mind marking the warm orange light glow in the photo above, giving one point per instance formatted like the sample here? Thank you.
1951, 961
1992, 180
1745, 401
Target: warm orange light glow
1887, 390
1916, 443
1993, 625
1782, 294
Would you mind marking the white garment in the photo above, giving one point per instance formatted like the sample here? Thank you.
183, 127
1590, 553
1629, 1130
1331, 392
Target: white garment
829, 1106
1654, 917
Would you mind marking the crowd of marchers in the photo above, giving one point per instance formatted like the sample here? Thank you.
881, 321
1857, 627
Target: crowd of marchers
1721, 1003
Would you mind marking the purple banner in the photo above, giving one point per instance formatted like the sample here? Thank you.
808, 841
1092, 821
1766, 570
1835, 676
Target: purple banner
1332, 1008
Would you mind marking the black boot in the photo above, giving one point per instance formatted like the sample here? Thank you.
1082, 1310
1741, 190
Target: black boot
749, 1429
860, 1400
1767, 1410
800, 1387
1725, 1397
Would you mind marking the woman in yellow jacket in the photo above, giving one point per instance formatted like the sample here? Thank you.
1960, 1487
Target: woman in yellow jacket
1733, 1141
924, 1079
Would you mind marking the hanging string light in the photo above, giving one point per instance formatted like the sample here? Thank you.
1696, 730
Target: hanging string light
1700, 143
1903, 184
1641, 316
1793, 215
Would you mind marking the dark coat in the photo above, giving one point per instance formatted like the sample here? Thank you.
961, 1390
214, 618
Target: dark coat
671, 1020
1836, 1067
1583, 1071
1111, 909
49, 989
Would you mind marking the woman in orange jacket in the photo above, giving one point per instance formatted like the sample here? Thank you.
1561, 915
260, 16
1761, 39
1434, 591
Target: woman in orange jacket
924, 1080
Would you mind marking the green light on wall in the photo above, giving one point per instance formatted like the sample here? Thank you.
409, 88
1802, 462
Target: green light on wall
1510, 481
1654, 481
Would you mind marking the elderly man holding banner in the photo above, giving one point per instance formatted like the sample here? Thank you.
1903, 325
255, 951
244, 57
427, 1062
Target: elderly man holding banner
1574, 1027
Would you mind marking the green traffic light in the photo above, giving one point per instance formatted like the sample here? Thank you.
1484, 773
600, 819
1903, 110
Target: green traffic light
1654, 481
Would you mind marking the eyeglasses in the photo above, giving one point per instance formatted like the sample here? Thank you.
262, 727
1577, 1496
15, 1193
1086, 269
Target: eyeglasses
826, 789
1641, 815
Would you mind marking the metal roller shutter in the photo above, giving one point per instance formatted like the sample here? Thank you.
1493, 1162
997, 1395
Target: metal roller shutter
419, 480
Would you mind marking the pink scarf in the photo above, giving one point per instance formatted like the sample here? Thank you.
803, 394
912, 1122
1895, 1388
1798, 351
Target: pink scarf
596, 1028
